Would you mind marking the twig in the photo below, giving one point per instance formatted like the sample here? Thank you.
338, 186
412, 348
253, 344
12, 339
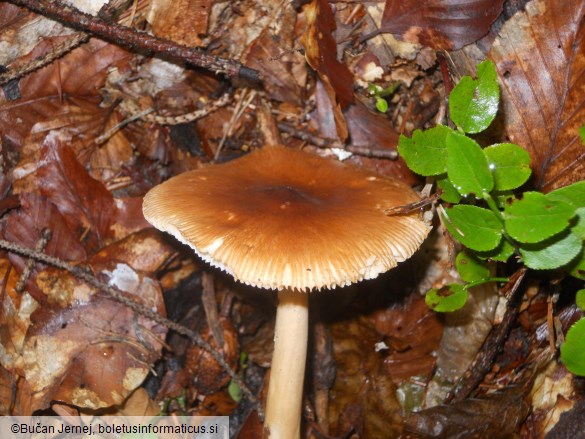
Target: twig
118, 296
407, 208
135, 40
492, 344
243, 103
320, 142
37, 63
210, 308
30, 263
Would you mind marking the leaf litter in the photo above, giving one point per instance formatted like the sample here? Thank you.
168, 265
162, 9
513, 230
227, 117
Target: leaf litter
391, 362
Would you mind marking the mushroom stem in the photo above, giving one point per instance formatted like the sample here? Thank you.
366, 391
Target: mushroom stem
285, 390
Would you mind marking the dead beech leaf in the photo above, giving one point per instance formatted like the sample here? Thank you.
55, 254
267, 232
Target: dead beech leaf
85, 349
414, 333
92, 355
182, 21
496, 415
363, 397
25, 226
35, 213
540, 57
86, 205
440, 24
321, 54
271, 54
209, 376
62, 95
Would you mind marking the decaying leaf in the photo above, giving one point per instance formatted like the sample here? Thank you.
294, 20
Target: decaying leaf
321, 54
363, 398
540, 57
271, 54
440, 24
494, 415
182, 21
85, 349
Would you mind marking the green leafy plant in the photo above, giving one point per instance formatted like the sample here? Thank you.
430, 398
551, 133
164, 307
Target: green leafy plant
380, 95
489, 214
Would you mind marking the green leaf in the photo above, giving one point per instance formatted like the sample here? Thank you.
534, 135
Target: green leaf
467, 166
474, 103
501, 253
574, 194
582, 134
578, 223
510, 165
536, 217
580, 299
551, 253
476, 228
448, 299
470, 268
426, 152
503, 198
572, 352
381, 105
235, 391
450, 194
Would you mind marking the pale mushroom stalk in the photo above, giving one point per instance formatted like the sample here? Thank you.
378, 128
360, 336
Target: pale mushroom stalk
285, 389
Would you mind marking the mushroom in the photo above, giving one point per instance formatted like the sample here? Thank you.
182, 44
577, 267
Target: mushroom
290, 221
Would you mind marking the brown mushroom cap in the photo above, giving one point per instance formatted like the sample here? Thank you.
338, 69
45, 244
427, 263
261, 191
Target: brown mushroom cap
281, 218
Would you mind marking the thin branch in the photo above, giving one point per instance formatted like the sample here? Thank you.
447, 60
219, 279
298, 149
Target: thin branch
320, 142
119, 296
492, 344
62, 49
135, 40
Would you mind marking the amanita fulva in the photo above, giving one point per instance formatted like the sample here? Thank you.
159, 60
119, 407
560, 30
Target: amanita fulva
290, 221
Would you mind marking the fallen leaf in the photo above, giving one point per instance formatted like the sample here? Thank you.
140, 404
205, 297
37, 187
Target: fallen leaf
540, 58
363, 398
85, 349
497, 414
182, 21
321, 54
415, 332
271, 54
440, 24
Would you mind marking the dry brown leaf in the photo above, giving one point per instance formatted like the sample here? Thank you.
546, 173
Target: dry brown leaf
85, 349
497, 415
440, 24
540, 57
321, 54
413, 333
271, 54
363, 398
85, 204
182, 21
209, 376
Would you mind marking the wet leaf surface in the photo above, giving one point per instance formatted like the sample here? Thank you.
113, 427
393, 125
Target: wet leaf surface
540, 57
440, 24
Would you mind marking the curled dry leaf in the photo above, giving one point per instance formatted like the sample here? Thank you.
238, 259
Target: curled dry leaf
440, 24
321, 54
540, 58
